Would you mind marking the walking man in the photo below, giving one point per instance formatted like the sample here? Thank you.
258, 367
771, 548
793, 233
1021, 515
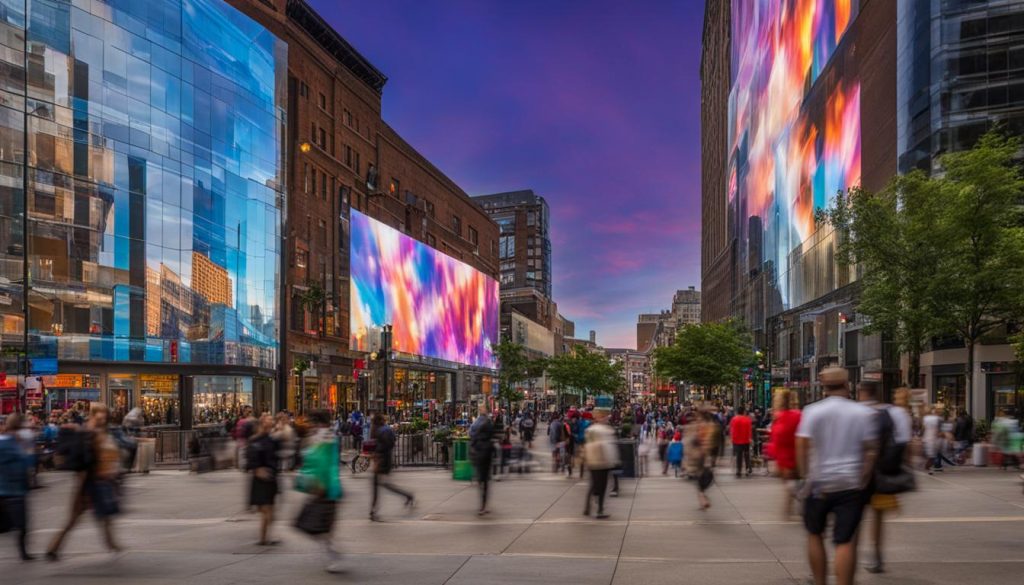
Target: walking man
740, 428
836, 447
601, 455
382, 463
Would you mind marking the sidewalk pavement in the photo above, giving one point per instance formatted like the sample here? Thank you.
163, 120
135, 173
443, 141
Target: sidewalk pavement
961, 527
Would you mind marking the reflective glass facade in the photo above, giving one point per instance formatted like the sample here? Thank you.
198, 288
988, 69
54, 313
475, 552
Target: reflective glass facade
155, 181
961, 67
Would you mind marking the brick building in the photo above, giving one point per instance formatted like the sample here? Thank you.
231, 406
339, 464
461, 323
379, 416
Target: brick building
341, 155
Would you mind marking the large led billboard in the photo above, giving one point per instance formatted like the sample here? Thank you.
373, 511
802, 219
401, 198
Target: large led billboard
437, 306
794, 121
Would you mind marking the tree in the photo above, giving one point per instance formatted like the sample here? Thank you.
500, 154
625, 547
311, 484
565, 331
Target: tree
977, 286
890, 237
941, 254
514, 368
586, 372
707, 354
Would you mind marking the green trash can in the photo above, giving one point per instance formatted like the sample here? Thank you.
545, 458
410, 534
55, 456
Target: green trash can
462, 469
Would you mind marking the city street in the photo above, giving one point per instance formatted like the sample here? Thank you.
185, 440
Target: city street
962, 527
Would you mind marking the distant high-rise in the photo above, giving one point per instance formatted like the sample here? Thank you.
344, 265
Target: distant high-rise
686, 306
524, 244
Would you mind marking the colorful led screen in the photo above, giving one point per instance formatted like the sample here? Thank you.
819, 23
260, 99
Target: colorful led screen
794, 120
438, 306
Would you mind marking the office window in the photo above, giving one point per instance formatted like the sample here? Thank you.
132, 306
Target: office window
457, 224
474, 236
507, 247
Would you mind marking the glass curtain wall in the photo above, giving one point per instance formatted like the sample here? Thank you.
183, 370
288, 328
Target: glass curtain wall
154, 181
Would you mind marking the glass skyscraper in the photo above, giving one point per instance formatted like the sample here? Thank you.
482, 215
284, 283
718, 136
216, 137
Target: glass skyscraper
144, 141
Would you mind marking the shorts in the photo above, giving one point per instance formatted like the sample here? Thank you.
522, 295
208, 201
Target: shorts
848, 508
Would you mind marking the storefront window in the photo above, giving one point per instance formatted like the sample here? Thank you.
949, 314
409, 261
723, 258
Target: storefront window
950, 391
64, 390
161, 403
1006, 396
217, 398
121, 393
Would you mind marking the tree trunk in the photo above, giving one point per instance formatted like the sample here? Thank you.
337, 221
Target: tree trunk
914, 368
969, 398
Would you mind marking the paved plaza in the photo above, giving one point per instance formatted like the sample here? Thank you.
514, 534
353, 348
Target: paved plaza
963, 527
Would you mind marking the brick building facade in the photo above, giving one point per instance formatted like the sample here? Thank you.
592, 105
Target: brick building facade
341, 155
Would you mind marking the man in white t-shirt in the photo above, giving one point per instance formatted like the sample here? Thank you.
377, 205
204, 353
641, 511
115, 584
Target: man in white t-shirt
836, 445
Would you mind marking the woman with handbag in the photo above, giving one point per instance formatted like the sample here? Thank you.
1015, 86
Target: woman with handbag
704, 443
261, 460
319, 478
782, 443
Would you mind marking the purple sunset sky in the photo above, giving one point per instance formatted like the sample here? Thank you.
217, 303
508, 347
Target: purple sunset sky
593, 104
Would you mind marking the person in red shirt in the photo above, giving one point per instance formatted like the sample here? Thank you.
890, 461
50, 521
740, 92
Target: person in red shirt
740, 429
782, 443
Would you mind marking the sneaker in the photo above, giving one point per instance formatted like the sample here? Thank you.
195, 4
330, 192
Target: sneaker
875, 568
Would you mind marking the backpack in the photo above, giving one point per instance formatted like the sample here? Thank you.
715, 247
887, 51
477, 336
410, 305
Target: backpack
527, 423
74, 450
891, 477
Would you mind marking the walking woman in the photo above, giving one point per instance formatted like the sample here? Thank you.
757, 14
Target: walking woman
14, 483
261, 460
782, 443
96, 485
703, 446
319, 478
481, 434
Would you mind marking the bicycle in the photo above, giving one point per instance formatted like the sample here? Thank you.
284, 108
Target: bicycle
362, 461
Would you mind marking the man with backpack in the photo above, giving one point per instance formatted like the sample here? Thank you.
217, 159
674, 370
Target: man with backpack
526, 426
894, 434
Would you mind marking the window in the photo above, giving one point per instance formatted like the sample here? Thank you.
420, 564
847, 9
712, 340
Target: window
507, 278
303, 89
305, 177
322, 227
313, 186
430, 208
323, 186
323, 139
394, 187
301, 259
431, 240
457, 224
474, 236
357, 164
323, 102
348, 118
348, 156
507, 247
312, 132
332, 144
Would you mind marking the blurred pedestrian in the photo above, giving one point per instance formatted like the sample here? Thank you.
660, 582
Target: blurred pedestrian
97, 466
286, 440
384, 446
557, 441
782, 444
14, 484
481, 444
262, 461
319, 477
702, 448
741, 431
601, 454
526, 428
894, 433
836, 449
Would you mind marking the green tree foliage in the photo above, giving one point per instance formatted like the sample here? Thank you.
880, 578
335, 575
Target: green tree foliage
941, 254
514, 368
707, 355
891, 237
586, 372
977, 286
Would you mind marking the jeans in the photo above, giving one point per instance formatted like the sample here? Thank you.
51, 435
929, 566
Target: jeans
598, 487
742, 454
